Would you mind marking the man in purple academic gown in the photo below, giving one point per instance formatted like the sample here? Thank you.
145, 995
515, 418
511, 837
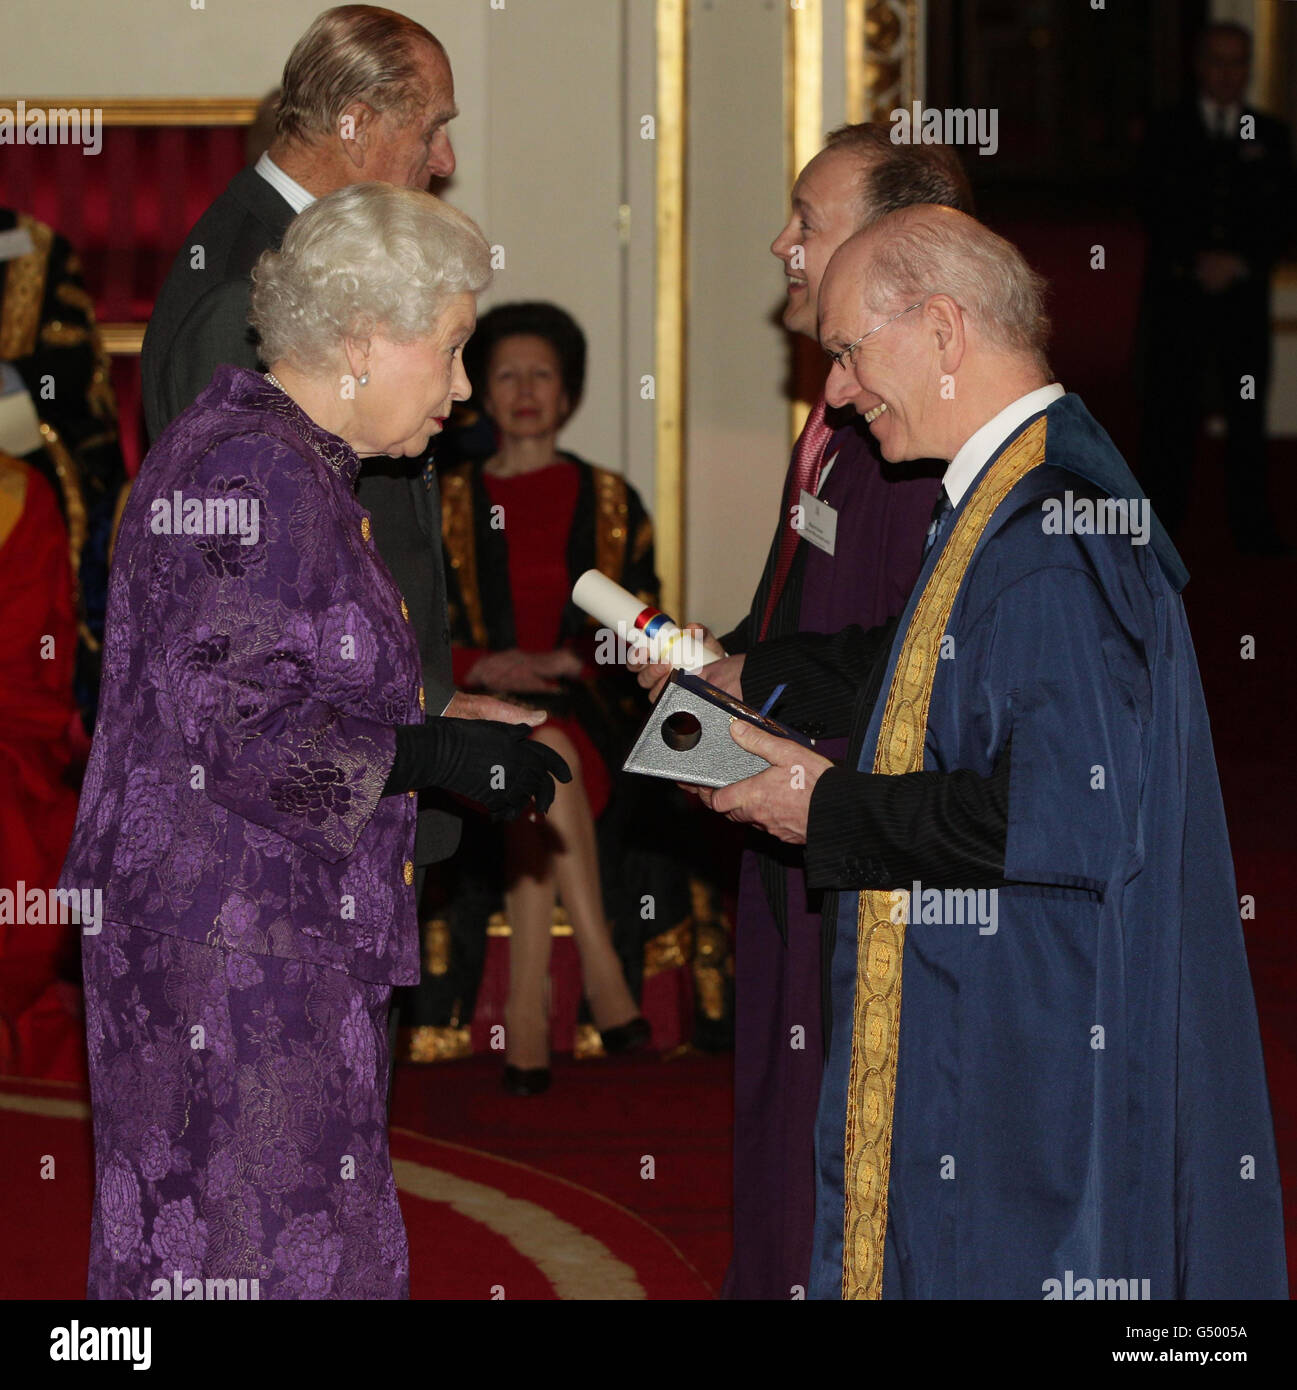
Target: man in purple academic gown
847, 554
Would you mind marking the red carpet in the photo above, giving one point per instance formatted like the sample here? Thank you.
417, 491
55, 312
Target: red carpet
480, 1226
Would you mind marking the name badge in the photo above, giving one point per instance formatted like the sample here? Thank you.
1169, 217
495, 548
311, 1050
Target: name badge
819, 522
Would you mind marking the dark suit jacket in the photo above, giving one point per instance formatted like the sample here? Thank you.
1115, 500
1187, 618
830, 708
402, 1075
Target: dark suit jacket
1203, 193
199, 321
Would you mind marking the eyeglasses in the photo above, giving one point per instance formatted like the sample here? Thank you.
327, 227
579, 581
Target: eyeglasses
837, 357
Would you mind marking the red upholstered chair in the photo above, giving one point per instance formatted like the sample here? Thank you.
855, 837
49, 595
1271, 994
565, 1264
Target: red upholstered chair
126, 211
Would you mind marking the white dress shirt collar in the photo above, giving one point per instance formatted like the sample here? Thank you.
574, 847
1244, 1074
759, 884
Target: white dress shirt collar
290, 190
1221, 120
979, 446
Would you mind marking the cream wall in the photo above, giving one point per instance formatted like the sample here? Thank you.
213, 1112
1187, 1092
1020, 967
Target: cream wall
736, 408
551, 94
538, 142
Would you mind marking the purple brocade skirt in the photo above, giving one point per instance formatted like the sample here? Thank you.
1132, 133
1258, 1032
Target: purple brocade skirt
240, 1125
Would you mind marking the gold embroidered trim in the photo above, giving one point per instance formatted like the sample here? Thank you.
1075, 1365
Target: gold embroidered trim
643, 540
56, 333
75, 296
24, 292
457, 535
14, 474
586, 1042
70, 484
611, 511
436, 946
670, 949
433, 1044
880, 928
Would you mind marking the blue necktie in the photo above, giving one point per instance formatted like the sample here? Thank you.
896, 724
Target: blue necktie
941, 511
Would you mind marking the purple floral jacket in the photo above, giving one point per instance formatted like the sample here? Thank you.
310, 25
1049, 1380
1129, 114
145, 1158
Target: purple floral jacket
256, 659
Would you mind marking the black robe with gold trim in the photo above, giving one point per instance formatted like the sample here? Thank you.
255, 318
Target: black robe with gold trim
642, 849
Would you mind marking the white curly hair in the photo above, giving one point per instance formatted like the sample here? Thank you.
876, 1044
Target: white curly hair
370, 258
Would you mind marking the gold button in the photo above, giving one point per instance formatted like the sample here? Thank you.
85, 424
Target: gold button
422, 702
364, 527
405, 611
410, 792
407, 873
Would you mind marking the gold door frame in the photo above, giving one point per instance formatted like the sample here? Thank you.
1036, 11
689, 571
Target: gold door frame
126, 339
670, 299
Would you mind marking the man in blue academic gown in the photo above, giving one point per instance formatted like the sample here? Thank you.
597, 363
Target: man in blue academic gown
1028, 839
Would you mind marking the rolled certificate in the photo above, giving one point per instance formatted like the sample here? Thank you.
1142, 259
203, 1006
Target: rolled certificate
641, 625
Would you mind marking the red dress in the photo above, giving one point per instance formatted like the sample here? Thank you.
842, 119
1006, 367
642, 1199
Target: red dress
38, 636
537, 516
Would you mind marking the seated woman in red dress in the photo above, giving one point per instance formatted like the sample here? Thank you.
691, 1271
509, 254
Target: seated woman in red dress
518, 527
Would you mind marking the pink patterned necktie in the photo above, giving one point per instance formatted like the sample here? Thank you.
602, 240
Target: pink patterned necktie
809, 458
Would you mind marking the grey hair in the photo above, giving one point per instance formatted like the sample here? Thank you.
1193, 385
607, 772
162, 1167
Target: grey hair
924, 250
369, 258
351, 53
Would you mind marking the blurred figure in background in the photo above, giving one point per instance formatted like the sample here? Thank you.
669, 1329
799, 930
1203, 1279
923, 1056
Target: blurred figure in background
38, 633
58, 412
518, 528
61, 471
1217, 185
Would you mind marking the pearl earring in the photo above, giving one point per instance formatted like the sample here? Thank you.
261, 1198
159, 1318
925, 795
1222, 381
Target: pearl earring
364, 378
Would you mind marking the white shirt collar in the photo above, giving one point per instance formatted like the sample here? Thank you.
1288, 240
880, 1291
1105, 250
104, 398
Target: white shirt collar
1212, 113
290, 190
979, 446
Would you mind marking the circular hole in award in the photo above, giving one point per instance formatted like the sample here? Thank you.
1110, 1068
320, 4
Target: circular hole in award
681, 731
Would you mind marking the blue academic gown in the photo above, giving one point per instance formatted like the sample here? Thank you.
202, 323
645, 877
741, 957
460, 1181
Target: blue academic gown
1080, 1093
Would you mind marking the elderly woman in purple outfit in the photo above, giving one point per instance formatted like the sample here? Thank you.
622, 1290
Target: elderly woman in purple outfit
249, 806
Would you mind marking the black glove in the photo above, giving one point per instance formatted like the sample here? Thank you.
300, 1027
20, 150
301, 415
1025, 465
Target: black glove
495, 764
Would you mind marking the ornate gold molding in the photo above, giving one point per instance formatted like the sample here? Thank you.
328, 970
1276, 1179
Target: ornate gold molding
1270, 46
882, 56
140, 111
122, 339
671, 297
803, 119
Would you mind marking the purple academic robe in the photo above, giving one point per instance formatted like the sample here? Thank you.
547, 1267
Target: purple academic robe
256, 885
883, 516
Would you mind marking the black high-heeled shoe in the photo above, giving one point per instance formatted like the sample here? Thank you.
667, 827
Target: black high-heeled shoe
525, 1081
627, 1037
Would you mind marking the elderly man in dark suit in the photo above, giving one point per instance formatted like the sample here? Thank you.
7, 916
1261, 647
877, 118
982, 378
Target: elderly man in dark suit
367, 96
1217, 186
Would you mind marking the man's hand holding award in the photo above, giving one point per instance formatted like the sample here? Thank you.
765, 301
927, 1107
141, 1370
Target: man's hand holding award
700, 734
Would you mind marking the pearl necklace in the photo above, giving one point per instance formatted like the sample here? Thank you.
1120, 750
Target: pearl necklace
333, 463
